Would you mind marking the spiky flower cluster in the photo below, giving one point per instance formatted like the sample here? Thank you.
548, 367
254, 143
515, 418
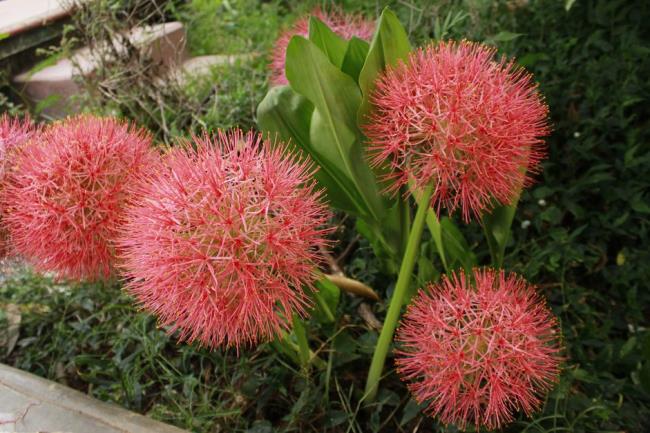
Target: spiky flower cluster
224, 240
67, 191
13, 134
477, 351
454, 117
344, 24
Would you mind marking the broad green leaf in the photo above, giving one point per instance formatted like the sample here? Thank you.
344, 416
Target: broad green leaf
286, 115
389, 45
496, 226
333, 130
329, 42
331, 140
355, 56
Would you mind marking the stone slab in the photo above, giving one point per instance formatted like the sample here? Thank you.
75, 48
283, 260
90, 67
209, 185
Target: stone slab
17, 16
29, 403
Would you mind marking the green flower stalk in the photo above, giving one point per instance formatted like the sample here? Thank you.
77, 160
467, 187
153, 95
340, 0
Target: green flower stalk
396, 302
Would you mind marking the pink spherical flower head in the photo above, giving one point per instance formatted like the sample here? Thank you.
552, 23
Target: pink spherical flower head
455, 118
341, 23
476, 352
13, 134
225, 239
67, 192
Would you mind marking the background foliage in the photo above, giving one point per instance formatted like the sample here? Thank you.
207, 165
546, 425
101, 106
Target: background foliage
581, 233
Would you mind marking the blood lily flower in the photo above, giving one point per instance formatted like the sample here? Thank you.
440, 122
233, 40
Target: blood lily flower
13, 134
224, 242
344, 24
477, 348
67, 190
454, 117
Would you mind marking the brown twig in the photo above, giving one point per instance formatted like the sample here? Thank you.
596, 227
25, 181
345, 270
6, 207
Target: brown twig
348, 249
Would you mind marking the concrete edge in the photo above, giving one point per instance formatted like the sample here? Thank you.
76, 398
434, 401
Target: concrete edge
67, 398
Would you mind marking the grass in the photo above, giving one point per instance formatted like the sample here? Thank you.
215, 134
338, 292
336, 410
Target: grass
581, 233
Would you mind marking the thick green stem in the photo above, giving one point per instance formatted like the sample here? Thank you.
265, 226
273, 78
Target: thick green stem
396, 302
405, 218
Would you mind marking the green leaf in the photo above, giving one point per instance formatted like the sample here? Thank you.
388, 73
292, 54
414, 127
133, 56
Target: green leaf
4, 36
644, 376
383, 250
334, 418
300, 333
48, 101
286, 115
317, 114
582, 375
645, 349
496, 226
329, 42
629, 345
327, 299
389, 45
333, 131
453, 249
639, 203
355, 56
433, 223
426, 271
457, 249
505, 36
45, 63
410, 411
